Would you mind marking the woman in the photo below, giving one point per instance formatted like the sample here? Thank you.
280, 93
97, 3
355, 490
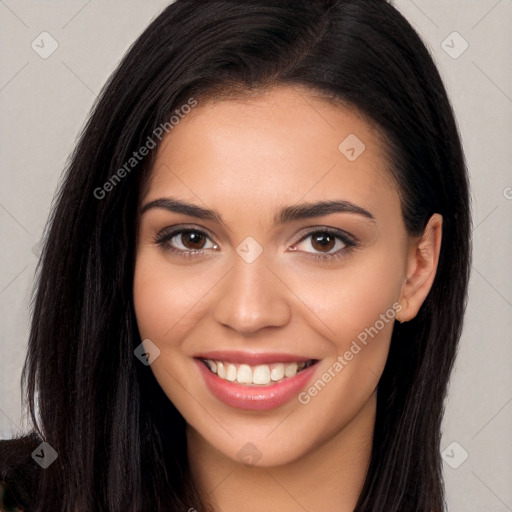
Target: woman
254, 279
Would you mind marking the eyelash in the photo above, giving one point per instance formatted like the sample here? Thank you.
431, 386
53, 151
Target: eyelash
164, 237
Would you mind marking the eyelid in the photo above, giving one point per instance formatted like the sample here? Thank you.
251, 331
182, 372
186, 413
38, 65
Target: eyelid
340, 233
171, 231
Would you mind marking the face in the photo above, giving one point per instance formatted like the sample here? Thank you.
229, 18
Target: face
270, 261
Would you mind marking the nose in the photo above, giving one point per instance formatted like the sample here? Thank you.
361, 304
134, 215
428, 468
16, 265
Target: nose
251, 298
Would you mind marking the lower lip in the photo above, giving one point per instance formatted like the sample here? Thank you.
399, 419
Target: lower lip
255, 397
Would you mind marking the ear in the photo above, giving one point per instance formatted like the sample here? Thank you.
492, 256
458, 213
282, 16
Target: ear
421, 268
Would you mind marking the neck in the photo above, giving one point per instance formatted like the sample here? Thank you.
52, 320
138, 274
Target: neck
329, 477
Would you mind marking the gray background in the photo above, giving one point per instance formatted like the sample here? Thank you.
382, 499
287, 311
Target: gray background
44, 103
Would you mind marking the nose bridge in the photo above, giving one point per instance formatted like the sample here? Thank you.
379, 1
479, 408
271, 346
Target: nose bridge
252, 297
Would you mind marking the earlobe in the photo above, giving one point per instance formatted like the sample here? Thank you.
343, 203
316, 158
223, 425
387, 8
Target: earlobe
421, 269
404, 306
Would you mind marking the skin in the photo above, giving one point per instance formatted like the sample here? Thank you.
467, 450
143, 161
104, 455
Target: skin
247, 158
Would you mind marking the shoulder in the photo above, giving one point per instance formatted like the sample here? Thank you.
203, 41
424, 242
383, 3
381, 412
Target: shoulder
18, 472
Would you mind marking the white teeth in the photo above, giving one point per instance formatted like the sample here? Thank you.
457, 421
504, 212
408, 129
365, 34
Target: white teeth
231, 372
221, 371
277, 372
290, 370
212, 365
261, 374
244, 375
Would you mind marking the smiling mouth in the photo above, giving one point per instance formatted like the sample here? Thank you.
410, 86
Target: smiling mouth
258, 375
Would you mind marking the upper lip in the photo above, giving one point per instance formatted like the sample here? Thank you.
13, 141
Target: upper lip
251, 358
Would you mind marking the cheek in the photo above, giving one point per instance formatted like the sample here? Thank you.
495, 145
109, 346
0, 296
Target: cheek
366, 298
166, 300
348, 377
352, 298
357, 305
155, 306
167, 304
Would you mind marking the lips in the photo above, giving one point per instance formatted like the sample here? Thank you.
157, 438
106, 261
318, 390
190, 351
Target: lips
254, 381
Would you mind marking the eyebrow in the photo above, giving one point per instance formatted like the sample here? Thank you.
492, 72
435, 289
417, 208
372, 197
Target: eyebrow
285, 215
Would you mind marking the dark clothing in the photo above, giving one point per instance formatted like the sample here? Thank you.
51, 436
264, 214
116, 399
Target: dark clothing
18, 473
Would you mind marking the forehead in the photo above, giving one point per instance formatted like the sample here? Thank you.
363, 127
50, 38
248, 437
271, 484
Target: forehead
281, 146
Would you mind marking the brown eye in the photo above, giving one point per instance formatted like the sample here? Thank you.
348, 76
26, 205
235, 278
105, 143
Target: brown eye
323, 242
193, 240
185, 242
326, 244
